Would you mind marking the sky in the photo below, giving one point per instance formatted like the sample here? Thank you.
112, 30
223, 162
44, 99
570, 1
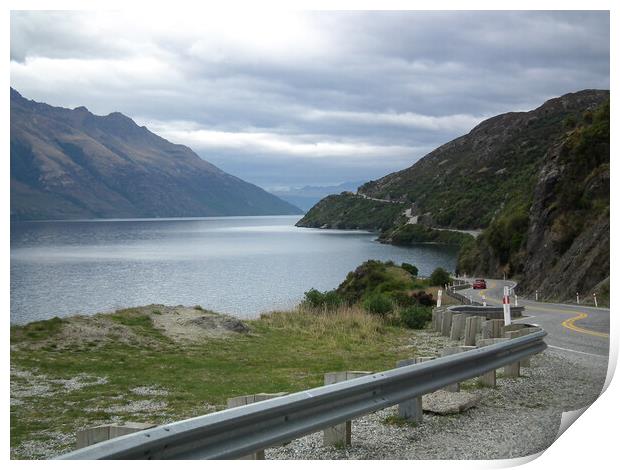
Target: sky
286, 99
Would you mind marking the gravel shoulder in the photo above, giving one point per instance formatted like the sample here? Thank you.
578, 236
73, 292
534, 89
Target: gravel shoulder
519, 417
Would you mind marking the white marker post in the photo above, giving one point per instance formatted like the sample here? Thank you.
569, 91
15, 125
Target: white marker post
536, 295
439, 298
595, 302
506, 303
577, 298
484, 300
516, 301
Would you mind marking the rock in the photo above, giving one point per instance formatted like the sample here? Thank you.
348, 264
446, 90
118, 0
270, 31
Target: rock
236, 325
445, 403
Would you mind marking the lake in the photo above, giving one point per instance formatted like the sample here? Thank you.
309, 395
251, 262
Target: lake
237, 265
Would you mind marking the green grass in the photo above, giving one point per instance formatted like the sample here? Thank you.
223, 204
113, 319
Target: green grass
284, 352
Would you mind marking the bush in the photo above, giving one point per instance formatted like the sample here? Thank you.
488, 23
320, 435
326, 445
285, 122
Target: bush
329, 300
415, 317
371, 277
439, 277
424, 298
410, 268
378, 304
402, 299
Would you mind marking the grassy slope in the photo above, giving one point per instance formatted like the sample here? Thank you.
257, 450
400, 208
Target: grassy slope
284, 352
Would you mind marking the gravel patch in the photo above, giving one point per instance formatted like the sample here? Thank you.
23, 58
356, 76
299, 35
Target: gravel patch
139, 406
149, 391
28, 384
519, 417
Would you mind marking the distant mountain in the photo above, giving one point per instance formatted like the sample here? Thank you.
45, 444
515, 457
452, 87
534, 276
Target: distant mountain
68, 164
307, 196
537, 182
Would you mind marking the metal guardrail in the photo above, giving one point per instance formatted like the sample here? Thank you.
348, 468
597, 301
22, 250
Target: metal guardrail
460, 297
240, 431
489, 311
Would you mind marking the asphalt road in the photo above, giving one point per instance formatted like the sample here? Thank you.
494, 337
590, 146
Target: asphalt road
574, 329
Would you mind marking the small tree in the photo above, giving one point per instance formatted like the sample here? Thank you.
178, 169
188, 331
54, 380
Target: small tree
415, 317
378, 304
439, 277
410, 268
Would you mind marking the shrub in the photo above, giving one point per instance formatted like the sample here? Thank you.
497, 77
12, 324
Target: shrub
439, 277
424, 298
410, 268
415, 317
402, 299
373, 276
329, 300
378, 304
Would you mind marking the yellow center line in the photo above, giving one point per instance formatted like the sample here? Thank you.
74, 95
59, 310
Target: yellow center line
570, 322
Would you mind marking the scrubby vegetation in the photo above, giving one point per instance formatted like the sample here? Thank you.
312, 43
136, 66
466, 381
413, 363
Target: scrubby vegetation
349, 211
416, 316
385, 290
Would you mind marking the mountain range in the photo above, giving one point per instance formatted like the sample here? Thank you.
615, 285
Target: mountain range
70, 164
306, 197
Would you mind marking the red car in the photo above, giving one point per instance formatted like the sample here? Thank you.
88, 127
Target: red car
479, 284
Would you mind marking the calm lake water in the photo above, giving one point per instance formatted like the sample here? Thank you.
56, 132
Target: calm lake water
237, 265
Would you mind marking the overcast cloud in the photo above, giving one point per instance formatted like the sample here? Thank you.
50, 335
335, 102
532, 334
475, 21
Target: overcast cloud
286, 99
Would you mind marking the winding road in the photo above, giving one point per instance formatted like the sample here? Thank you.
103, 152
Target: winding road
574, 329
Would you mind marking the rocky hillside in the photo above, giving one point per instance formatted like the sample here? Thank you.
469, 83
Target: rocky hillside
70, 163
537, 182
558, 245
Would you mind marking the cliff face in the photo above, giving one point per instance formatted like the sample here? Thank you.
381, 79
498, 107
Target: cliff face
73, 164
567, 248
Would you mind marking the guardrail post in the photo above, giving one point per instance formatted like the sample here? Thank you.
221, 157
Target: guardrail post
521, 330
412, 409
90, 436
447, 352
458, 326
514, 369
490, 378
492, 329
526, 331
440, 314
340, 434
234, 402
471, 330
446, 323
437, 317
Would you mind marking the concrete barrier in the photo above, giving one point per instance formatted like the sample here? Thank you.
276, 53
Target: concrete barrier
492, 329
446, 323
340, 434
458, 327
472, 325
